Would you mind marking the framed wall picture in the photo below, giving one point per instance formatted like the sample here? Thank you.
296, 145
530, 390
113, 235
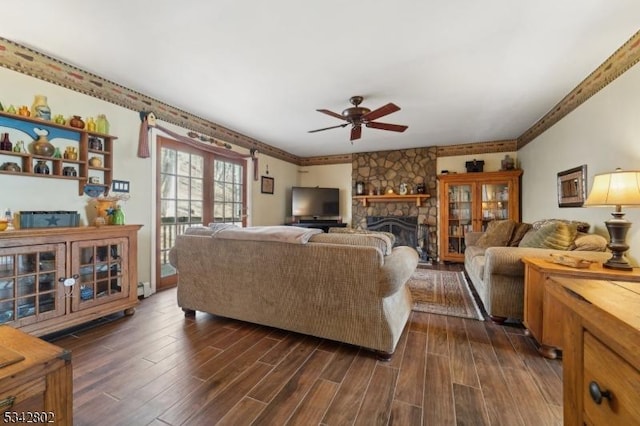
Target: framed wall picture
266, 185
572, 187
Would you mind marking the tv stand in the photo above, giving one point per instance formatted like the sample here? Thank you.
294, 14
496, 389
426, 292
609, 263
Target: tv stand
323, 224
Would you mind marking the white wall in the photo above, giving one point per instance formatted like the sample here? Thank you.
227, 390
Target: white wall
331, 176
603, 133
272, 209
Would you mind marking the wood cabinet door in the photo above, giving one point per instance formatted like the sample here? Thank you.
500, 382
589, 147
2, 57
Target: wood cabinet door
102, 270
30, 290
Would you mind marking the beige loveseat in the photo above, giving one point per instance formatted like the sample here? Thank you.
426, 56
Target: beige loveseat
345, 287
497, 272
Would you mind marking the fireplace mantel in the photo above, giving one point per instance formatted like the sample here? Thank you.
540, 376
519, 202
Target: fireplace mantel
391, 198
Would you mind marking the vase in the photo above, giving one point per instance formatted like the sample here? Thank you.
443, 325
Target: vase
508, 163
102, 125
40, 109
5, 143
76, 122
95, 162
42, 147
95, 143
91, 125
117, 218
41, 167
10, 167
104, 210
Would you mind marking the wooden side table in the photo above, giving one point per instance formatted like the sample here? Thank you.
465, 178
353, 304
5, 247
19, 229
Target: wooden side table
36, 383
543, 317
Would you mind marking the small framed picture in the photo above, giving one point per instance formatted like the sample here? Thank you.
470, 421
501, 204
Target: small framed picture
572, 187
266, 185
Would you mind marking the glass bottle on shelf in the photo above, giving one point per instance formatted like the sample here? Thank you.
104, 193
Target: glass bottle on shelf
41, 167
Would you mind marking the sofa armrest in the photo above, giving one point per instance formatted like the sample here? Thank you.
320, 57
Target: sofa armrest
471, 238
508, 260
397, 269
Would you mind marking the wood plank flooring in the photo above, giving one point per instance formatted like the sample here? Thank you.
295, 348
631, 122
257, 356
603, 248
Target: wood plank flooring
159, 368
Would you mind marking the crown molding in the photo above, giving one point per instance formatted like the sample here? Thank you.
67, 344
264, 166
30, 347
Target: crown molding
509, 145
326, 159
621, 60
35, 64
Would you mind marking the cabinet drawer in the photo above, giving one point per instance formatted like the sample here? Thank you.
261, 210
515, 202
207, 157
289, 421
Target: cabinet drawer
27, 396
613, 374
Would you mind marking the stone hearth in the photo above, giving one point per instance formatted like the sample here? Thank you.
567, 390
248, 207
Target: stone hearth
384, 170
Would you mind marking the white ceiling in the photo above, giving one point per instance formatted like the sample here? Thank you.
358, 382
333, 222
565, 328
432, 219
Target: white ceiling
461, 70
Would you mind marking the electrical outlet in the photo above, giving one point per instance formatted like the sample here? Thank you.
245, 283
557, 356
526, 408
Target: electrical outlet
120, 186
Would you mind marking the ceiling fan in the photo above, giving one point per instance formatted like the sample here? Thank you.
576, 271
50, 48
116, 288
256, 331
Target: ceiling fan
359, 116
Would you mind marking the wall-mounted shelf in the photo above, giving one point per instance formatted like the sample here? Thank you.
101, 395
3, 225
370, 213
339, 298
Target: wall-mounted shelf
391, 198
71, 135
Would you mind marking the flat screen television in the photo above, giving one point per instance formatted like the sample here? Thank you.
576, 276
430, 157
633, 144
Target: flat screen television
316, 202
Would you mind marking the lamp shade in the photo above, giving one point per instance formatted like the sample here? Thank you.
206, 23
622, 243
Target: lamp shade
619, 188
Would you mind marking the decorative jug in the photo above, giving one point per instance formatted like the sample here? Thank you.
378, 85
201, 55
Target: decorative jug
76, 122
40, 109
41, 167
42, 147
5, 144
102, 125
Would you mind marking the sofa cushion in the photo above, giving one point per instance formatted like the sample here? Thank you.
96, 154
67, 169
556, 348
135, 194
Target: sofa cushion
498, 233
378, 240
553, 235
589, 242
519, 232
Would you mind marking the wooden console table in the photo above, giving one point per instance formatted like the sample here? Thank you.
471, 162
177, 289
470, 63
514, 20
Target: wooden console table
542, 317
601, 363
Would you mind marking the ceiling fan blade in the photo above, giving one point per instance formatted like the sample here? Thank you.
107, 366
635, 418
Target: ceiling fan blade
356, 132
331, 113
387, 126
381, 112
327, 128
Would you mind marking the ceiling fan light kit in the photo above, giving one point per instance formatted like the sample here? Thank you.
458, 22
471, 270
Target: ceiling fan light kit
358, 116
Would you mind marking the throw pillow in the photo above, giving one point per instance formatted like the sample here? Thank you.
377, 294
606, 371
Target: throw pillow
518, 233
498, 234
590, 242
582, 226
554, 235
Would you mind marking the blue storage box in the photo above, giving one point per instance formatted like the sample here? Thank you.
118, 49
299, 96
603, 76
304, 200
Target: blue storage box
52, 219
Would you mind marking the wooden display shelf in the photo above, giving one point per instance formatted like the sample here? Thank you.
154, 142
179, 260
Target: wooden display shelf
366, 199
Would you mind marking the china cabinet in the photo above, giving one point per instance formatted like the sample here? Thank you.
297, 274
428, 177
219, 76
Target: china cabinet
73, 142
469, 201
54, 278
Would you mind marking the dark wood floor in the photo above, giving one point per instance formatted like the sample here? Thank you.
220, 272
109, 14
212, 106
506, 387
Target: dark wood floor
159, 368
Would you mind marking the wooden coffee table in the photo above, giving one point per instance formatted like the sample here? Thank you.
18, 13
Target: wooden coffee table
543, 317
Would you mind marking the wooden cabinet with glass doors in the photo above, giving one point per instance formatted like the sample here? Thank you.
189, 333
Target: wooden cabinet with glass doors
55, 278
469, 201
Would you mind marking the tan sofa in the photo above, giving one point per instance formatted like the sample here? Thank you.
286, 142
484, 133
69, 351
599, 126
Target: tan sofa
497, 273
343, 287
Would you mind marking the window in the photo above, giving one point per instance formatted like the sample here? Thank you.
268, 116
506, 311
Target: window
194, 188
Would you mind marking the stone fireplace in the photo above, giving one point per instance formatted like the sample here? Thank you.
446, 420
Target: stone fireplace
413, 225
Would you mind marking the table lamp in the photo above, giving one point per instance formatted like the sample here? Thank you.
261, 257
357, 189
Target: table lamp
616, 189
